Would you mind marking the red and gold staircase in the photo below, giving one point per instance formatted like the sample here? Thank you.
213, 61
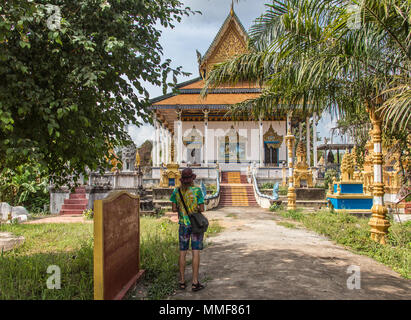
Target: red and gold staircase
76, 203
235, 191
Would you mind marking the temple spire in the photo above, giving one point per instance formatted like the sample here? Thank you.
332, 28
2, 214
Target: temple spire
232, 8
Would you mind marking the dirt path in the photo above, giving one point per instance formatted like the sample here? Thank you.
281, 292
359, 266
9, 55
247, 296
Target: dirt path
60, 219
255, 258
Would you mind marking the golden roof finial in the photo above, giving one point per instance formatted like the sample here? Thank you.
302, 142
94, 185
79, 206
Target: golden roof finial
232, 8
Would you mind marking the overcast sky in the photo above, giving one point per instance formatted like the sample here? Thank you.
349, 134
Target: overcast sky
197, 32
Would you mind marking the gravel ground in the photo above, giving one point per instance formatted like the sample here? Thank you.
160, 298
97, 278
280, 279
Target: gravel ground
256, 258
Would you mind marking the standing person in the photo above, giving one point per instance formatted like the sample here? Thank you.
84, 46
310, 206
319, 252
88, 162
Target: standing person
194, 202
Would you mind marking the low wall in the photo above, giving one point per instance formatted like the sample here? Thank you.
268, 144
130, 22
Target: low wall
269, 174
201, 173
310, 193
57, 197
162, 193
270, 180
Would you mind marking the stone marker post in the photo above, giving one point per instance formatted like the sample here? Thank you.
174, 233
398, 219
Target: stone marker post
378, 222
291, 195
116, 245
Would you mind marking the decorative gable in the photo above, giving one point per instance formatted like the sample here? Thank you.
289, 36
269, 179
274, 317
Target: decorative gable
231, 40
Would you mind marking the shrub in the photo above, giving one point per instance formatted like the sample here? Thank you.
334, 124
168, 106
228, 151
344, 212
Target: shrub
267, 185
282, 191
276, 207
26, 186
329, 176
88, 214
212, 188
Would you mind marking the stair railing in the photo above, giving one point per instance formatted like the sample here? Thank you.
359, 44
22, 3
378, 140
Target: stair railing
257, 190
262, 199
216, 194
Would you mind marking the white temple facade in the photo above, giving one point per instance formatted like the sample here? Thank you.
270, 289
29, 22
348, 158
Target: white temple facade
200, 132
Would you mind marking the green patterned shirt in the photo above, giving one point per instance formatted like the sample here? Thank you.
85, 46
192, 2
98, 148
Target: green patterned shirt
193, 197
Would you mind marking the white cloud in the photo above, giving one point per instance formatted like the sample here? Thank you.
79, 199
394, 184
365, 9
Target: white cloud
141, 134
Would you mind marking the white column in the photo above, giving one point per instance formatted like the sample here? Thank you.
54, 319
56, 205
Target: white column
308, 141
163, 145
169, 146
166, 156
205, 147
261, 147
155, 143
379, 200
158, 144
179, 139
153, 151
291, 195
315, 138
287, 130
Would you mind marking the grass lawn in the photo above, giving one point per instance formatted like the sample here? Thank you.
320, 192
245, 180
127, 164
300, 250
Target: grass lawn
23, 271
354, 233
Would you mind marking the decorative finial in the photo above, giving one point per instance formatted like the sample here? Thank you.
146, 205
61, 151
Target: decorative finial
232, 8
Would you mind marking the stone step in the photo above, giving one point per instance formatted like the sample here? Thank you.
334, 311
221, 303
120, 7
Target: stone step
73, 207
71, 212
237, 200
245, 202
238, 205
76, 201
77, 196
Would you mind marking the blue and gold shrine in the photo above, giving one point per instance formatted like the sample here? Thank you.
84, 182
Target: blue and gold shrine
348, 195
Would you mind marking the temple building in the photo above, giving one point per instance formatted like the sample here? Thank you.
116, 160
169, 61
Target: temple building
197, 131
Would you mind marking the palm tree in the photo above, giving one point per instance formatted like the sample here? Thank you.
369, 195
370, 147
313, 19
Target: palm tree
310, 56
306, 51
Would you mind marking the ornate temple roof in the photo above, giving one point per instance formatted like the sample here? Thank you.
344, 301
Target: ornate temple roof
230, 40
190, 95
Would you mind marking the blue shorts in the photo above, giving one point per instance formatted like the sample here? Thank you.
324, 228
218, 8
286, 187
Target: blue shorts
184, 235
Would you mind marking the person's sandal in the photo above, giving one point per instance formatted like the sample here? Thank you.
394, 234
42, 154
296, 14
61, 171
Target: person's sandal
197, 287
182, 285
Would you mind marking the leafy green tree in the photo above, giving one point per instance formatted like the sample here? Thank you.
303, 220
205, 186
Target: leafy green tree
26, 185
72, 76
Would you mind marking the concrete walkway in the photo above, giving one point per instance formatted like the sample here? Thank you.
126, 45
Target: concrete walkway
255, 258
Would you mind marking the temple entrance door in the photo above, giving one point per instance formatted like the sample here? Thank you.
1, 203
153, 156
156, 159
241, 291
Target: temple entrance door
271, 155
